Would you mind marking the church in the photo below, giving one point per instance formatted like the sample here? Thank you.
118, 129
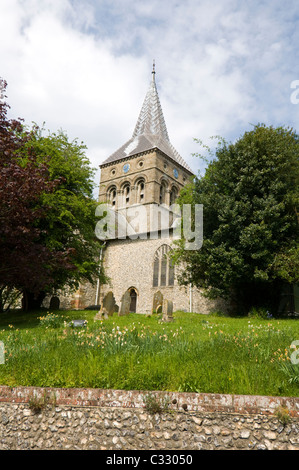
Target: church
144, 176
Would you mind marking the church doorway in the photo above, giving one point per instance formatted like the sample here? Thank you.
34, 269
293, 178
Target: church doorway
133, 300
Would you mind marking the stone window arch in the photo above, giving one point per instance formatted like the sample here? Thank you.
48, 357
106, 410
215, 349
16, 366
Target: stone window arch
126, 192
111, 195
173, 194
163, 267
163, 191
140, 186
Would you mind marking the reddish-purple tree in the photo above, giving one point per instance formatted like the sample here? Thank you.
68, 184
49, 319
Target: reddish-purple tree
26, 263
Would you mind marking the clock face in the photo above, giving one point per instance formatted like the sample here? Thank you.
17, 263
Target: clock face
126, 168
175, 172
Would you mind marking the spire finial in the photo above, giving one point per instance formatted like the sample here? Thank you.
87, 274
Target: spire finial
154, 69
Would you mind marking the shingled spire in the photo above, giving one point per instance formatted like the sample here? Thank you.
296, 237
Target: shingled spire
150, 131
151, 119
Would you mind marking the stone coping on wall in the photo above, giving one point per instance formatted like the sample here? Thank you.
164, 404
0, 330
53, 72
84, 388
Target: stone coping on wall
195, 402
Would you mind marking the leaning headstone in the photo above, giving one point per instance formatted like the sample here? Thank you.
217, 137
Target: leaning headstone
102, 314
167, 311
157, 302
125, 304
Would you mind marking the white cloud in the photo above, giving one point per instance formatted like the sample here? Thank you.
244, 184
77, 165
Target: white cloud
68, 79
84, 66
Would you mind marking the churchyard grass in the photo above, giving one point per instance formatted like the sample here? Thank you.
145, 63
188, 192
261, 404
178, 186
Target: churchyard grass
195, 353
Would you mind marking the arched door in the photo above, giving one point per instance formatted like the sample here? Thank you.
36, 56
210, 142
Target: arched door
133, 303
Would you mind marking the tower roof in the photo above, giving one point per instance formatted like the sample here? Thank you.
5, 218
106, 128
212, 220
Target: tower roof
151, 120
150, 132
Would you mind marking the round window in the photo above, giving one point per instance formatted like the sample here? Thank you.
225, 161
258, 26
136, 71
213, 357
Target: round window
126, 167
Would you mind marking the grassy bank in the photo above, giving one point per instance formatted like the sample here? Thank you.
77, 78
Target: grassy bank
195, 353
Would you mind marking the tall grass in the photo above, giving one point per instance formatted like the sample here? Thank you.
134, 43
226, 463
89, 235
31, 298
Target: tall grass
195, 353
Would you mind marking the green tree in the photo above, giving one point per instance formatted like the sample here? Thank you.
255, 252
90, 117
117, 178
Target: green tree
250, 196
25, 263
70, 223
47, 212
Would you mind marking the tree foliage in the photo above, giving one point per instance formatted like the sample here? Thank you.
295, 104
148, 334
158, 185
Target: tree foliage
47, 214
250, 196
25, 262
70, 222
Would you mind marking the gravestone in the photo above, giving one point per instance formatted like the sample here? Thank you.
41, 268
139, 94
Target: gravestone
167, 311
108, 307
78, 323
54, 303
109, 303
157, 302
125, 304
102, 314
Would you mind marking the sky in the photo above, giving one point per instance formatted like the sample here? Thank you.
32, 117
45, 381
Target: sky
84, 66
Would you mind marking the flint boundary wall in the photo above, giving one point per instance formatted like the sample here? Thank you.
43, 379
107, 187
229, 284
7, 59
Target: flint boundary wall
93, 419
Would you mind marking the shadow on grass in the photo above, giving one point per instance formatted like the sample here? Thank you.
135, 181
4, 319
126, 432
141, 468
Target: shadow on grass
24, 320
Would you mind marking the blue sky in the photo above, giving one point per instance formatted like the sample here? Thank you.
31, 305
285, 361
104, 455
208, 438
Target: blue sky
85, 66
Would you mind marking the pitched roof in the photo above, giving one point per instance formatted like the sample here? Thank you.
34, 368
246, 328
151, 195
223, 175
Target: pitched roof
150, 132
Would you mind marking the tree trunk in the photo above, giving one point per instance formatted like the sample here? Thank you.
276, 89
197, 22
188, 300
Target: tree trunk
31, 301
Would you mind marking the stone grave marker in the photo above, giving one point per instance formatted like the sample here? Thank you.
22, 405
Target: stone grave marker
167, 311
108, 307
157, 302
54, 303
109, 303
125, 304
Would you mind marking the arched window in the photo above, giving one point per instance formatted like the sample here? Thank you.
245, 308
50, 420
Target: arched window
163, 268
173, 195
163, 189
111, 196
140, 191
126, 194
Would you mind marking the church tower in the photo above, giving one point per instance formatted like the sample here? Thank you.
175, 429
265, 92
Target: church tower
145, 175
145, 171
